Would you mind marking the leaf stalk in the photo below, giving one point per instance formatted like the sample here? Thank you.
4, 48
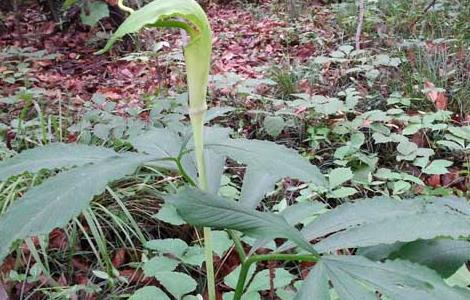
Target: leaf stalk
267, 257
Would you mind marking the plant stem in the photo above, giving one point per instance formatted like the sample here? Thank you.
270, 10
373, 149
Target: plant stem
238, 245
268, 257
197, 123
209, 263
183, 172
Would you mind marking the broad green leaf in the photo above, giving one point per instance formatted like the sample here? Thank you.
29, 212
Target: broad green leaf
270, 160
175, 247
215, 162
53, 156
462, 132
215, 112
406, 147
221, 242
425, 225
450, 144
438, 166
60, 198
379, 252
164, 143
326, 105
178, 284
261, 280
168, 214
461, 278
386, 221
149, 293
162, 268
178, 249
315, 286
339, 176
102, 131
96, 11
160, 142
357, 140
159, 264
351, 214
215, 167
346, 286
207, 210
231, 279
443, 256
398, 280
342, 192
256, 184
400, 186
274, 125
193, 256
298, 212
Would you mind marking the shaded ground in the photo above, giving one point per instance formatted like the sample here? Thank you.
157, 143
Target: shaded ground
242, 44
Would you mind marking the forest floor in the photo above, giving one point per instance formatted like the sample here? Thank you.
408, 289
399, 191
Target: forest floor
394, 114
242, 43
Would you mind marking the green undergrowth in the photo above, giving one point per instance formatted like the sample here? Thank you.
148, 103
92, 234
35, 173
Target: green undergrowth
364, 118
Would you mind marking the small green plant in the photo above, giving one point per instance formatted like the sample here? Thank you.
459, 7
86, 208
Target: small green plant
364, 250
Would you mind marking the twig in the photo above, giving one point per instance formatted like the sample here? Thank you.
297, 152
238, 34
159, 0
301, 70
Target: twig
360, 22
430, 5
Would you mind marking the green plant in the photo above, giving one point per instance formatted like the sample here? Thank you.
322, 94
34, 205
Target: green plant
86, 171
286, 81
17, 62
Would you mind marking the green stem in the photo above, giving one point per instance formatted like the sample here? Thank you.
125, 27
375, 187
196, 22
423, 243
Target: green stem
183, 172
268, 257
209, 263
238, 245
197, 123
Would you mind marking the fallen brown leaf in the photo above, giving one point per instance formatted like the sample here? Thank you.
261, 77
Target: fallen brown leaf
438, 98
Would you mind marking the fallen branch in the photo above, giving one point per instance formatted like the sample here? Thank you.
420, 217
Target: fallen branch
360, 22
